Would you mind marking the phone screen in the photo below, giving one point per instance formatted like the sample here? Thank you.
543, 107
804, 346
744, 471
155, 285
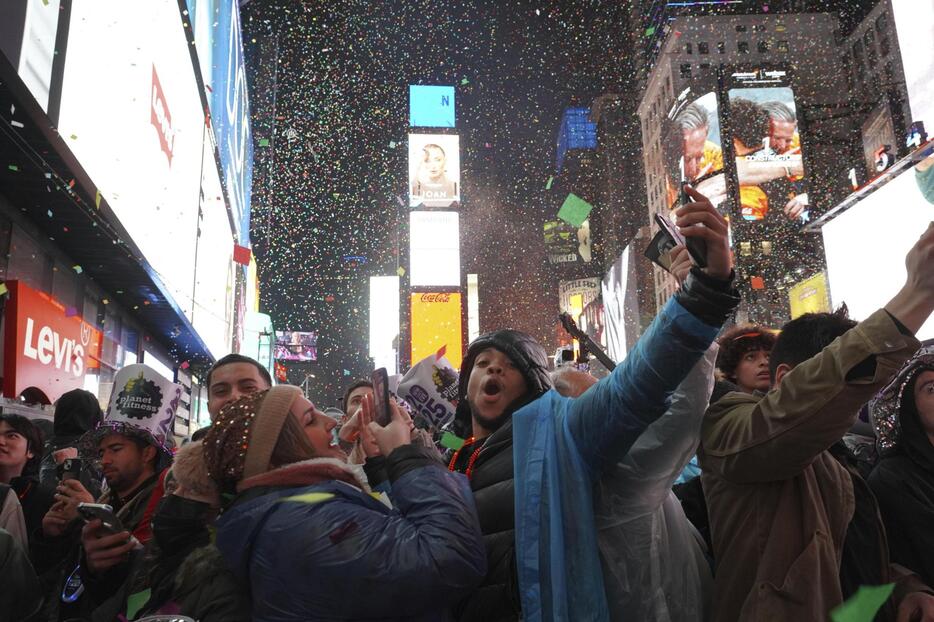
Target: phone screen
380, 381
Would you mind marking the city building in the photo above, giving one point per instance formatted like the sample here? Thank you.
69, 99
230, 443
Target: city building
713, 61
123, 216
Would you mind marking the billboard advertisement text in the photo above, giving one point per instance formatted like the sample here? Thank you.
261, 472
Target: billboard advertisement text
431, 106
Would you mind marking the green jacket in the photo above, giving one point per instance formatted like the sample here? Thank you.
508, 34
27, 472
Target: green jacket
779, 502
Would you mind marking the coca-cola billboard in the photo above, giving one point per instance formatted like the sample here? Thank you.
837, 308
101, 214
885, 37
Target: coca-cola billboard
46, 345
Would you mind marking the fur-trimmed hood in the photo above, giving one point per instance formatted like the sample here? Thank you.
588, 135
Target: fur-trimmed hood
309, 473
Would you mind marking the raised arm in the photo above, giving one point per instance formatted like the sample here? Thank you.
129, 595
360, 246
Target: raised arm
606, 420
776, 437
645, 475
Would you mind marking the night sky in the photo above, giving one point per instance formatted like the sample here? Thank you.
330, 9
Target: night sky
329, 182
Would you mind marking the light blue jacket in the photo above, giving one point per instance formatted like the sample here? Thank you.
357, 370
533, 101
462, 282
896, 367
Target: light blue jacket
562, 446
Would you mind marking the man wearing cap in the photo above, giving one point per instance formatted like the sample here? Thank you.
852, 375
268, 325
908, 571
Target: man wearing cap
533, 456
132, 446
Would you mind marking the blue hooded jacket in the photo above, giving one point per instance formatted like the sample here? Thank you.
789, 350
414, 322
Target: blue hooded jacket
330, 551
562, 447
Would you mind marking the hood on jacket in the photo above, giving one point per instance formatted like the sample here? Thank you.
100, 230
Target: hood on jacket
76, 412
526, 354
894, 413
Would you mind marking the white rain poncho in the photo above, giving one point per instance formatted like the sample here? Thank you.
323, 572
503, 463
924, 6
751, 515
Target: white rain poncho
653, 559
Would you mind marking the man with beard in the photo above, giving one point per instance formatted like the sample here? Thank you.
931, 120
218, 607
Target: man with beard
533, 456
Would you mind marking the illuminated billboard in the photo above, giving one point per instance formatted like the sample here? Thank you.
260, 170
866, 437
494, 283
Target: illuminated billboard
767, 147
218, 41
434, 249
434, 170
436, 323
810, 296
27, 39
866, 244
293, 345
143, 141
691, 148
574, 295
384, 322
567, 244
914, 23
431, 106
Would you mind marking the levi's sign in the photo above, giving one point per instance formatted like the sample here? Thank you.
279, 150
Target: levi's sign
45, 346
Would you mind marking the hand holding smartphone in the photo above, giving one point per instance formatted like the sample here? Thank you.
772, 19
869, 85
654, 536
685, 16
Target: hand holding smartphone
103, 512
380, 380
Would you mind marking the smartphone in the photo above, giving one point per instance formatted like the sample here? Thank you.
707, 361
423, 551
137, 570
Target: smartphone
697, 247
71, 468
659, 250
380, 380
102, 511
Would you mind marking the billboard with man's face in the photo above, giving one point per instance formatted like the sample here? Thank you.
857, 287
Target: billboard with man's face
767, 146
434, 170
691, 147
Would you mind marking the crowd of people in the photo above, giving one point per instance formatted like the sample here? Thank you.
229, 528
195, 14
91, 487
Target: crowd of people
718, 473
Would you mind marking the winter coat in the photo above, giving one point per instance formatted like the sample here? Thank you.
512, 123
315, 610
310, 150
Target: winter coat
35, 499
562, 448
57, 558
21, 593
654, 563
11, 516
200, 587
312, 545
497, 598
903, 479
780, 504
76, 412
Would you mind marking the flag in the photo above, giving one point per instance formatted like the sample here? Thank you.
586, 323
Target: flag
242, 255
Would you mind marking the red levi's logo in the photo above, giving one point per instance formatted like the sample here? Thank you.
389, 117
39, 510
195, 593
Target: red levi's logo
46, 346
161, 118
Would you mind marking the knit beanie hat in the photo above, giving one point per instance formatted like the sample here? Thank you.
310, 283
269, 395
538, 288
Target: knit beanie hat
242, 438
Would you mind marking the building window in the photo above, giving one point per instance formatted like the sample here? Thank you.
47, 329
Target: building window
740, 28
869, 40
685, 70
758, 28
688, 48
703, 48
882, 30
742, 47
721, 47
763, 47
858, 59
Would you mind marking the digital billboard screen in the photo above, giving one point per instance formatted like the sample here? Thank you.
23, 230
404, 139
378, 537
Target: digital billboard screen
914, 23
691, 148
27, 38
292, 345
431, 105
434, 249
767, 147
567, 244
219, 44
436, 322
142, 139
866, 244
434, 170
